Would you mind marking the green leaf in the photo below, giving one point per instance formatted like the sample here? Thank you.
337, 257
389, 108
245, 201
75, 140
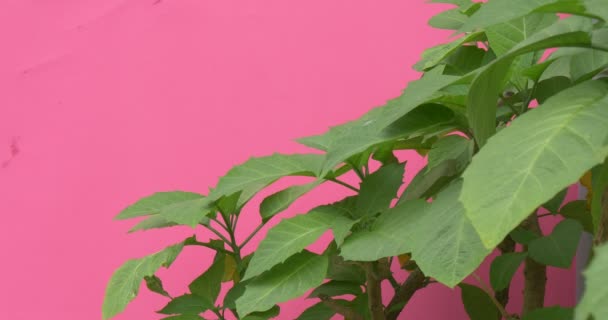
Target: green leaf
281, 200
549, 87
208, 284
319, 311
257, 173
187, 304
451, 20
503, 268
478, 304
152, 222
293, 235
452, 147
577, 210
555, 203
599, 184
552, 313
341, 270
456, 2
435, 55
594, 299
466, 59
523, 236
504, 36
155, 203
124, 284
184, 317
558, 248
264, 315
379, 189
286, 281
427, 183
572, 140
154, 284
190, 212
336, 288
233, 294
440, 237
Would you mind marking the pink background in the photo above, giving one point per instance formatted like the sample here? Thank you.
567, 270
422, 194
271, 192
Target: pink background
103, 102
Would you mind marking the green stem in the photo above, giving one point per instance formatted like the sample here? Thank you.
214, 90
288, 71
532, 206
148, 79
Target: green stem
206, 245
251, 235
342, 183
217, 233
224, 226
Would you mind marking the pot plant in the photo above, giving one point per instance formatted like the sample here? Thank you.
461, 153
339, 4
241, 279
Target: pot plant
510, 114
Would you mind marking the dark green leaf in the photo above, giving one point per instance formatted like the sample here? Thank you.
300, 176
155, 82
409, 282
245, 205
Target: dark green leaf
341, 270
184, 317
555, 203
336, 288
379, 189
503, 268
427, 183
599, 181
465, 59
435, 55
187, 304
558, 248
208, 284
234, 293
549, 87
478, 304
154, 284
319, 311
286, 281
577, 210
523, 236
264, 315
552, 313
281, 200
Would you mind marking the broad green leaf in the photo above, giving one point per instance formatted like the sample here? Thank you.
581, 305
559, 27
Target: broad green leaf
154, 284
281, 200
466, 59
208, 284
555, 203
234, 293
577, 210
572, 140
552, 313
523, 236
319, 311
451, 20
427, 183
152, 222
388, 235
558, 248
286, 281
594, 299
444, 244
549, 87
435, 55
124, 284
190, 212
341, 270
452, 147
478, 304
503, 268
293, 235
336, 288
599, 180
503, 37
257, 173
379, 189
187, 304
155, 203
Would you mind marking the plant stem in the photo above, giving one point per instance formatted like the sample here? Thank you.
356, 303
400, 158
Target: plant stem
257, 229
206, 245
404, 293
506, 246
535, 274
342, 183
601, 235
374, 292
497, 303
217, 233
224, 226
340, 309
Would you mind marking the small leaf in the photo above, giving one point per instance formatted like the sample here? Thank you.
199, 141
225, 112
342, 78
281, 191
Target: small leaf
379, 189
286, 281
478, 304
319, 311
281, 200
594, 299
208, 284
577, 210
555, 203
523, 236
452, 147
336, 288
451, 20
187, 304
552, 313
155, 203
558, 248
154, 284
503, 268
263, 315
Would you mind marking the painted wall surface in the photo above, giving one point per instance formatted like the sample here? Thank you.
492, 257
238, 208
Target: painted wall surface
103, 102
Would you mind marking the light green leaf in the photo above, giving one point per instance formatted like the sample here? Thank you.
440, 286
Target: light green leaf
286, 281
577, 210
558, 248
293, 235
336, 288
552, 313
187, 304
124, 284
452, 147
504, 36
190, 212
257, 173
152, 222
319, 311
155, 203
208, 285
504, 267
478, 304
599, 184
594, 299
281, 200
379, 189
451, 20
456, 2
572, 140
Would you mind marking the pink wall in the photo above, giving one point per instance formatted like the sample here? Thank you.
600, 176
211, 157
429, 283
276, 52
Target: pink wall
103, 102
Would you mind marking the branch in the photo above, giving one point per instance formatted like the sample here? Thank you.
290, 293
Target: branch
535, 274
404, 293
488, 290
343, 310
342, 183
601, 235
374, 292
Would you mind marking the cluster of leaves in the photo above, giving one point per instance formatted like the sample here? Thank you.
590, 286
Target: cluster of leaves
507, 127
